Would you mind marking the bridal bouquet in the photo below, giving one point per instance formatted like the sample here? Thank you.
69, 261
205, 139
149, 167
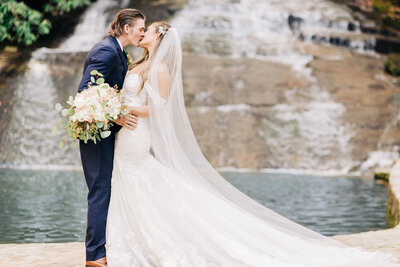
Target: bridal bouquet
91, 112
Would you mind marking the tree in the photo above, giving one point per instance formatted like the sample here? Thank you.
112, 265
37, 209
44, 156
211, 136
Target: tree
23, 22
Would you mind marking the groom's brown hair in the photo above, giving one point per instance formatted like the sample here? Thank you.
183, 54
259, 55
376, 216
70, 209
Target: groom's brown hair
123, 17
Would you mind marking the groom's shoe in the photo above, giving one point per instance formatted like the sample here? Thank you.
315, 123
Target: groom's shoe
97, 263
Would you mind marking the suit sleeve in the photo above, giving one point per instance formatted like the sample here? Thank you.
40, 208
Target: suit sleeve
103, 61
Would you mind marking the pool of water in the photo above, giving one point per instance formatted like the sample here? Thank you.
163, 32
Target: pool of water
50, 206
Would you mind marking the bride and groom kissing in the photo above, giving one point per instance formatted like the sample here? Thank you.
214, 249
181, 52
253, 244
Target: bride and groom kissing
154, 199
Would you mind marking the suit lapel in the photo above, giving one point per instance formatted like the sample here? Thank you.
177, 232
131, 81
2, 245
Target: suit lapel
121, 54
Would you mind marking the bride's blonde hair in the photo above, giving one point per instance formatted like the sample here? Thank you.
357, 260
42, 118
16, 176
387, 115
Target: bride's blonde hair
145, 58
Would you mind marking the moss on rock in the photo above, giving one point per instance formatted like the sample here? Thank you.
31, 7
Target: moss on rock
392, 64
392, 209
381, 176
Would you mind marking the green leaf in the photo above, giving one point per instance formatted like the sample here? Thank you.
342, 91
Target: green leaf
100, 80
71, 112
93, 72
61, 144
105, 134
44, 27
70, 100
99, 124
92, 79
59, 122
58, 107
64, 112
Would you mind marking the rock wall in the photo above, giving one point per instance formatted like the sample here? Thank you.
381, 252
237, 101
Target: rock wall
393, 201
249, 113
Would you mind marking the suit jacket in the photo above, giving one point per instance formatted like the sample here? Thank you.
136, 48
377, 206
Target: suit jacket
107, 58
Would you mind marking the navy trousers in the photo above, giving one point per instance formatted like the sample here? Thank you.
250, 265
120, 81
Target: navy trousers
97, 160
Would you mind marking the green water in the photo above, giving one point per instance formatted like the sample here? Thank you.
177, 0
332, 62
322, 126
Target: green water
50, 206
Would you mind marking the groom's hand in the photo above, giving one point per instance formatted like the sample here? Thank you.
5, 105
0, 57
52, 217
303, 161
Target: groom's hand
130, 121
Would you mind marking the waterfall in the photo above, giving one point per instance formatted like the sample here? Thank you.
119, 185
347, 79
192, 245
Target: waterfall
305, 131
51, 76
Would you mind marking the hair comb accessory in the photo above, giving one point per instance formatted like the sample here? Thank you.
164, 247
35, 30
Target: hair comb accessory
161, 30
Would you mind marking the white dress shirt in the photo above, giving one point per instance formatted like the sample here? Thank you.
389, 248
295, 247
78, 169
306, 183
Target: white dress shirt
122, 49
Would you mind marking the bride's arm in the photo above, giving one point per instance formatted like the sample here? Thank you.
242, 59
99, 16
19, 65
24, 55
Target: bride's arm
164, 81
140, 111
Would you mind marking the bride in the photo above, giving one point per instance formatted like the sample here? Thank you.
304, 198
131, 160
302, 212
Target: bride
169, 207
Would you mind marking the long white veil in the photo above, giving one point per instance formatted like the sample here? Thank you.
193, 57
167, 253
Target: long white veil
174, 145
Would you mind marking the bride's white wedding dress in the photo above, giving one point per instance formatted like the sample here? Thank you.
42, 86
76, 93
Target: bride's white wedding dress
158, 217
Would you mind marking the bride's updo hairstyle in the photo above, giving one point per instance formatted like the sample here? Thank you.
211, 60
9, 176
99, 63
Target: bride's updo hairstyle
123, 17
160, 27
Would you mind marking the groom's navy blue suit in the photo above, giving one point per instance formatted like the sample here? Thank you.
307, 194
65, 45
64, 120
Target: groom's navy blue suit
97, 159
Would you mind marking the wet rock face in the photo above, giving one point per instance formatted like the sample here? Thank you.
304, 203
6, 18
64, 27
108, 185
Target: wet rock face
157, 10
294, 22
253, 102
257, 114
385, 46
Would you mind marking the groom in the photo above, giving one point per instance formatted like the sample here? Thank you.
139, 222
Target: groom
108, 58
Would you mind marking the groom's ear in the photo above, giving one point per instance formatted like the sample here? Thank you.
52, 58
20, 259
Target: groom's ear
126, 28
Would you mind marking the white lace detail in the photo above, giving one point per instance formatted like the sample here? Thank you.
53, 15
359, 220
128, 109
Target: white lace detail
160, 218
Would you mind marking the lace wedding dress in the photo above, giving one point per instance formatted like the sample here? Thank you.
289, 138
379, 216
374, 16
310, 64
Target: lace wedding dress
159, 217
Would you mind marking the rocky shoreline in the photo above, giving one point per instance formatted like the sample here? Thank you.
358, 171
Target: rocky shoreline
73, 254
387, 240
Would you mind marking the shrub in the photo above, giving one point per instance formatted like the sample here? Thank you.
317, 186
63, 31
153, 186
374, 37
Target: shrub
381, 6
24, 23
59, 7
20, 23
392, 64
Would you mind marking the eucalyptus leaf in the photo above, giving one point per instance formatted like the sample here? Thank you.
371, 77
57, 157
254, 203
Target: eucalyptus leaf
99, 124
105, 134
64, 112
100, 80
58, 107
71, 111
92, 79
93, 72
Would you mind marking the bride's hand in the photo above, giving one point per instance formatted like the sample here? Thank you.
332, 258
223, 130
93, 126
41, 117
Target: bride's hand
130, 121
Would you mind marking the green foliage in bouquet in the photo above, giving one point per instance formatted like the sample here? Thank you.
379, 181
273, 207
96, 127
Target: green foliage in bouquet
80, 127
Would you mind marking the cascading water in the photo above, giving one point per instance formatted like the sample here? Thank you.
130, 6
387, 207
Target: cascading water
304, 132
307, 131
51, 76
243, 116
